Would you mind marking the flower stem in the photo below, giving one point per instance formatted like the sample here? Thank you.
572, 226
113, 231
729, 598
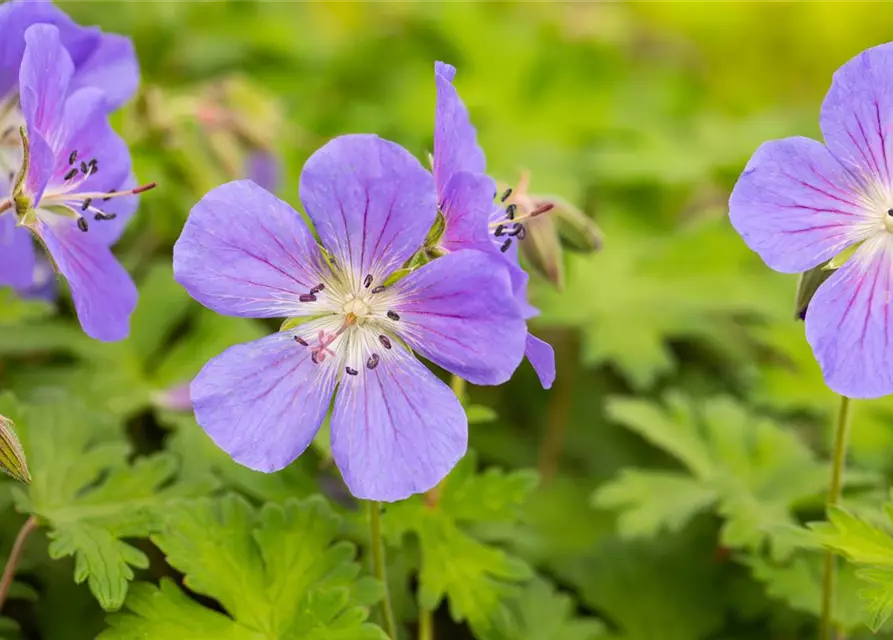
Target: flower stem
834, 490
552, 445
14, 556
378, 566
426, 624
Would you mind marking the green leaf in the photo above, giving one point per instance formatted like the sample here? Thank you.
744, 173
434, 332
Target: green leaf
542, 613
89, 497
15, 310
755, 471
650, 502
869, 547
278, 572
476, 578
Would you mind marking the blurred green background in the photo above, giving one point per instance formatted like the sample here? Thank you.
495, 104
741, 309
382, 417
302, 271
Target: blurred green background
686, 434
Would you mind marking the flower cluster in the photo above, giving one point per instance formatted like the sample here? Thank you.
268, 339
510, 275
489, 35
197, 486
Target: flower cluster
404, 263
65, 175
800, 203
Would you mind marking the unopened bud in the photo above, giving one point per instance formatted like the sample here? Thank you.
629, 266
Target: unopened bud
541, 249
12, 456
807, 285
578, 232
174, 398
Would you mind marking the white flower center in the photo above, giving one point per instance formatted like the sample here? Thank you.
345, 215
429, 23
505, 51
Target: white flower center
358, 306
11, 119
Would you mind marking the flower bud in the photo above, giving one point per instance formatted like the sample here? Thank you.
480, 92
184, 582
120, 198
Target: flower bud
577, 231
12, 456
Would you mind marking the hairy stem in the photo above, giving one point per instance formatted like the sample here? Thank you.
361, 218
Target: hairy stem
560, 403
378, 566
14, 556
835, 488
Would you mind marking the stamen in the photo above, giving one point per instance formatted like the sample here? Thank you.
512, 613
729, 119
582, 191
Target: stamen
86, 204
505, 245
301, 341
385, 341
510, 211
109, 197
145, 187
500, 230
516, 229
543, 208
372, 362
505, 195
314, 357
84, 168
351, 371
378, 289
105, 216
317, 289
82, 224
393, 315
71, 174
367, 281
73, 156
890, 212
307, 297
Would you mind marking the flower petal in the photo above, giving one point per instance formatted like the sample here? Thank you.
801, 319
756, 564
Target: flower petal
371, 202
459, 312
850, 325
263, 167
796, 206
455, 138
857, 115
103, 293
244, 252
17, 259
542, 357
397, 430
466, 206
44, 78
112, 66
16, 17
262, 402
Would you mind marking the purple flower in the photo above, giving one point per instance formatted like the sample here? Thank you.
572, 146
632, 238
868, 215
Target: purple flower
396, 428
800, 203
72, 188
466, 198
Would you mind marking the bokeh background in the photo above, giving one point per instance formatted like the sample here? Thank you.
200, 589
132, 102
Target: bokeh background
687, 432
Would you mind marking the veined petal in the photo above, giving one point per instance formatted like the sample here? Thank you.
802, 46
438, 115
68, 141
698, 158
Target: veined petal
455, 138
857, 117
40, 166
103, 293
849, 323
371, 203
16, 17
17, 260
459, 312
263, 402
244, 252
44, 78
111, 66
397, 430
796, 206
542, 358
466, 204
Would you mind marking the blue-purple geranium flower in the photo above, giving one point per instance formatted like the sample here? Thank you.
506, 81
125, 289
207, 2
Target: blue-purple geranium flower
472, 220
396, 429
72, 188
800, 203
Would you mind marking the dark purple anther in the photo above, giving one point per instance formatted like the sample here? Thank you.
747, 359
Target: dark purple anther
372, 362
510, 211
71, 174
317, 289
378, 289
82, 224
307, 297
367, 281
301, 341
393, 315
350, 371
505, 245
505, 195
73, 156
86, 204
385, 341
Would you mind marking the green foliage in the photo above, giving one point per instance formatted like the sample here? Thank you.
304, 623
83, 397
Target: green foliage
476, 578
755, 473
869, 547
278, 572
87, 494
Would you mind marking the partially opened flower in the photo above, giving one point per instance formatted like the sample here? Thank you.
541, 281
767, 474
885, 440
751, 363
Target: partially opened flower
471, 218
73, 190
800, 203
396, 429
